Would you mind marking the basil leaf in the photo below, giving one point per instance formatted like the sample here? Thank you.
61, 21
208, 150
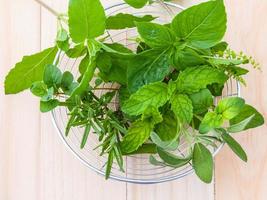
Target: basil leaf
49, 95
193, 79
173, 160
155, 35
67, 79
166, 145
86, 19
248, 111
77, 51
28, 71
201, 101
154, 94
168, 128
39, 89
202, 162
137, 134
210, 121
241, 125
230, 107
52, 76
235, 146
137, 3
182, 107
46, 106
203, 25
148, 67
124, 20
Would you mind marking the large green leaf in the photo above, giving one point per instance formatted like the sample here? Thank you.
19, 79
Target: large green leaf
137, 134
170, 145
230, 107
155, 35
241, 125
137, 3
193, 79
124, 20
235, 146
147, 67
203, 162
248, 111
201, 101
168, 128
86, 19
28, 71
210, 121
154, 94
182, 107
203, 25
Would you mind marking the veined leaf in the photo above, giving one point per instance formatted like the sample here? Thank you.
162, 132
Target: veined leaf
203, 25
182, 107
246, 112
210, 121
86, 19
230, 107
28, 71
193, 79
124, 20
201, 101
155, 35
137, 3
154, 94
137, 134
152, 114
203, 162
235, 146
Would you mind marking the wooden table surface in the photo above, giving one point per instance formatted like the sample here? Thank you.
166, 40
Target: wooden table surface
35, 165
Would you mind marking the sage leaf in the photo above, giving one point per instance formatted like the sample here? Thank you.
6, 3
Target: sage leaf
233, 144
210, 121
28, 71
173, 160
193, 79
46, 106
155, 35
201, 101
137, 134
154, 94
166, 145
202, 162
203, 25
52, 76
86, 19
241, 125
182, 107
137, 3
230, 107
124, 20
154, 161
246, 112
39, 89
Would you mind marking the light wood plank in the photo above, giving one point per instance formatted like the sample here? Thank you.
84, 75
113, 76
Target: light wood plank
235, 180
19, 115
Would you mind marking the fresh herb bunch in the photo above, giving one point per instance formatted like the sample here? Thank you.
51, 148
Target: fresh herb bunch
167, 85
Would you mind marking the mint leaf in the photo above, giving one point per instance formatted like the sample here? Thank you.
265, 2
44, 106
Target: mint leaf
193, 79
52, 76
202, 162
152, 114
154, 94
46, 106
39, 89
246, 112
147, 67
155, 35
203, 25
235, 146
182, 107
173, 160
230, 107
86, 19
124, 20
210, 121
28, 71
170, 145
137, 134
137, 3
168, 128
201, 101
